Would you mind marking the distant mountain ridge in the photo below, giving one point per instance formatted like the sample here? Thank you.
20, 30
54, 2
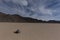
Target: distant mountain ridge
20, 19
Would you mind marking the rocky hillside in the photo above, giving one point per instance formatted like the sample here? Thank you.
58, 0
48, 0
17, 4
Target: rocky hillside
17, 18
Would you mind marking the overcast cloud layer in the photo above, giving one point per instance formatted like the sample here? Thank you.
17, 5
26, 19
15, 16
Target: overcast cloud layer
38, 9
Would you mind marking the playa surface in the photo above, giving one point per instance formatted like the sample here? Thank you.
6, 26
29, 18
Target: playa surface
29, 31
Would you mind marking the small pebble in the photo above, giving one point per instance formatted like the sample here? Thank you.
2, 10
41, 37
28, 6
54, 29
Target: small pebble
17, 31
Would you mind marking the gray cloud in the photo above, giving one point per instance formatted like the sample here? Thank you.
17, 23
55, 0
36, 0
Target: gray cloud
37, 9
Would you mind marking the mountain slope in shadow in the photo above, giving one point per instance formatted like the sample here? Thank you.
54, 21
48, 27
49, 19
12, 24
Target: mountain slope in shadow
16, 18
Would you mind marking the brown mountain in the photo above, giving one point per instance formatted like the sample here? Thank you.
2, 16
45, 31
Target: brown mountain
17, 18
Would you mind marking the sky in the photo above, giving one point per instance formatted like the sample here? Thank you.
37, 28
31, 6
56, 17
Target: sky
38, 9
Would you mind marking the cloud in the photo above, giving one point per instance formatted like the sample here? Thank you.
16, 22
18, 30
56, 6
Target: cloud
37, 8
45, 11
21, 2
